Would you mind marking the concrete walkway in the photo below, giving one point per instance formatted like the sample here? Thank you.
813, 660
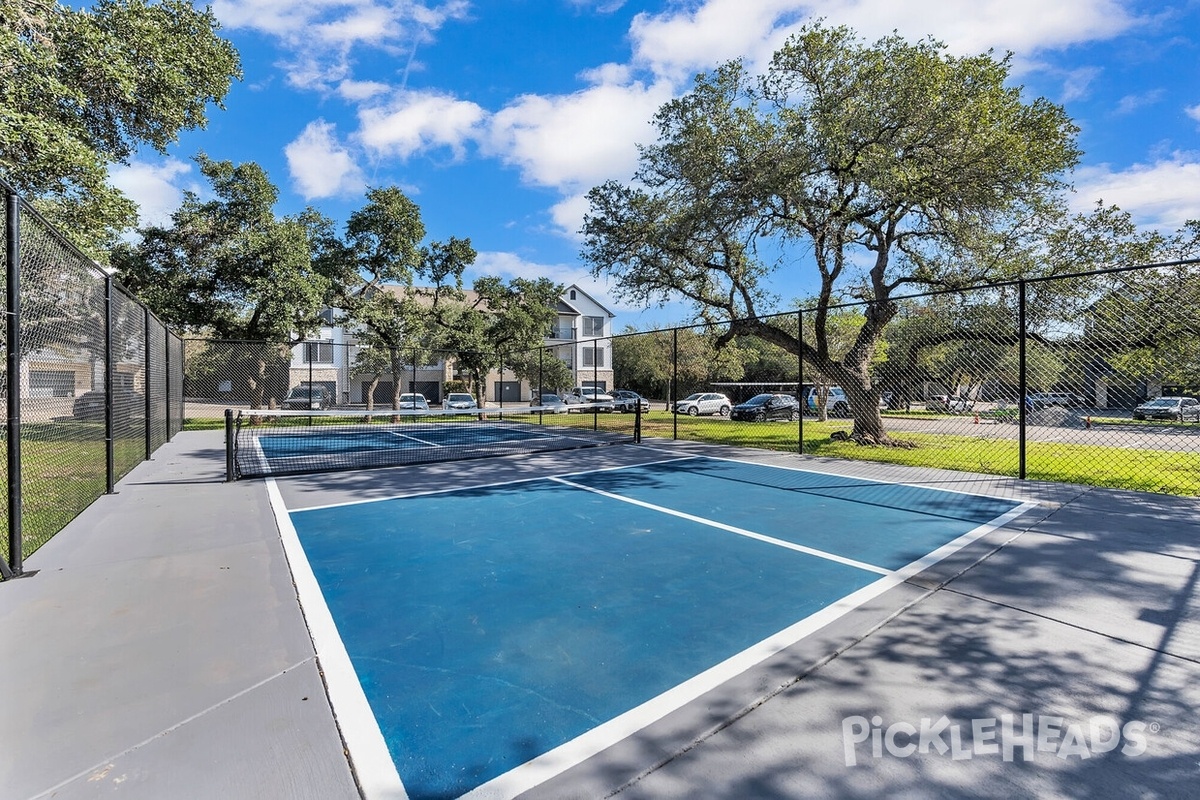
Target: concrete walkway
160, 652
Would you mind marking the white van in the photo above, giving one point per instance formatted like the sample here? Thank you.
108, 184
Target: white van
836, 403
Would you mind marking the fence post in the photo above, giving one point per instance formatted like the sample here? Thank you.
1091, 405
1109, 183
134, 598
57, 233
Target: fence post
800, 375
674, 399
109, 453
146, 381
1022, 381
167, 381
12, 330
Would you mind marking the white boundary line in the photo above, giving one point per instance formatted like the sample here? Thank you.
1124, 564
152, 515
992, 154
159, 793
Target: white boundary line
731, 529
367, 749
569, 754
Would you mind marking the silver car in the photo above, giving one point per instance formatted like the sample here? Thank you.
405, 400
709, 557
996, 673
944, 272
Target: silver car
1180, 408
549, 404
459, 401
704, 404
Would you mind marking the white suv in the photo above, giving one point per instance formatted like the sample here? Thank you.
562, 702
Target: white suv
414, 401
704, 403
590, 396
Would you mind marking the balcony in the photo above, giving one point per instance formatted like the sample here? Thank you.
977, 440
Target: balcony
561, 334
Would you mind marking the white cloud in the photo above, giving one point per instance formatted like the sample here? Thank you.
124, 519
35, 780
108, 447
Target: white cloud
321, 166
154, 187
574, 140
310, 23
320, 34
974, 26
1078, 82
1132, 102
1193, 112
418, 121
357, 91
682, 41
1164, 194
568, 214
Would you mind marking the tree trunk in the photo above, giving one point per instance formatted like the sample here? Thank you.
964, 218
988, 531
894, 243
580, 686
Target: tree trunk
371, 391
258, 383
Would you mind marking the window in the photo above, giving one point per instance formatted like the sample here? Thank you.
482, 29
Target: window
593, 326
318, 352
593, 357
572, 294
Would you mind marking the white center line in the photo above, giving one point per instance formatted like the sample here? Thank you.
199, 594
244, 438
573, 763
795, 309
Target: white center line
732, 529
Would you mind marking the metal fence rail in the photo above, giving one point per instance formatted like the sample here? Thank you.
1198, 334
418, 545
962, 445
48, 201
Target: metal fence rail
92, 382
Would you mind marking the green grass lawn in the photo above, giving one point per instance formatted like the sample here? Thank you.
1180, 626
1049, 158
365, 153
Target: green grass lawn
1170, 472
63, 472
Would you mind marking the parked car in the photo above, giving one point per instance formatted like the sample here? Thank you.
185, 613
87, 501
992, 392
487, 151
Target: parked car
414, 401
1053, 399
589, 399
307, 398
127, 405
704, 403
764, 407
948, 404
1180, 408
836, 403
625, 400
549, 404
459, 401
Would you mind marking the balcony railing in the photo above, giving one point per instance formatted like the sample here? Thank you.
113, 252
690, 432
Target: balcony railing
561, 333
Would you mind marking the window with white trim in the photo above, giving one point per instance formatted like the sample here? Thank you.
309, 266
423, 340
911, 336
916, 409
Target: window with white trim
593, 356
593, 326
318, 352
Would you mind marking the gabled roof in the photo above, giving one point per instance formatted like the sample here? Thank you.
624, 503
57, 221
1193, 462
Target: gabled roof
594, 301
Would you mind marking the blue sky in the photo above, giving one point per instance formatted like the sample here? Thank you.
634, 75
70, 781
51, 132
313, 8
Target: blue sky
497, 116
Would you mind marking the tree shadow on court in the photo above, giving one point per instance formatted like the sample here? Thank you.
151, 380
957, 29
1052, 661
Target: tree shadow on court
1094, 620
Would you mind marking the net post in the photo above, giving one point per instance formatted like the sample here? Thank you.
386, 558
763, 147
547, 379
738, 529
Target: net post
637, 422
230, 474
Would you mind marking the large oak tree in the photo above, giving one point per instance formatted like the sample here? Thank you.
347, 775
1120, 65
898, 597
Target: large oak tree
82, 89
881, 166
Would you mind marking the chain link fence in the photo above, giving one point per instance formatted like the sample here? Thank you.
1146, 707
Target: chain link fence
92, 383
1087, 379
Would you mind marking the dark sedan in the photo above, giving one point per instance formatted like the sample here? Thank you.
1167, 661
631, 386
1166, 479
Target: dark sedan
763, 407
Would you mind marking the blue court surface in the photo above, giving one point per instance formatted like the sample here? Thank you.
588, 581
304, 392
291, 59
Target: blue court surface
501, 633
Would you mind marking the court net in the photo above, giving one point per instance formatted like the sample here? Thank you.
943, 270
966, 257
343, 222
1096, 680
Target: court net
270, 442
